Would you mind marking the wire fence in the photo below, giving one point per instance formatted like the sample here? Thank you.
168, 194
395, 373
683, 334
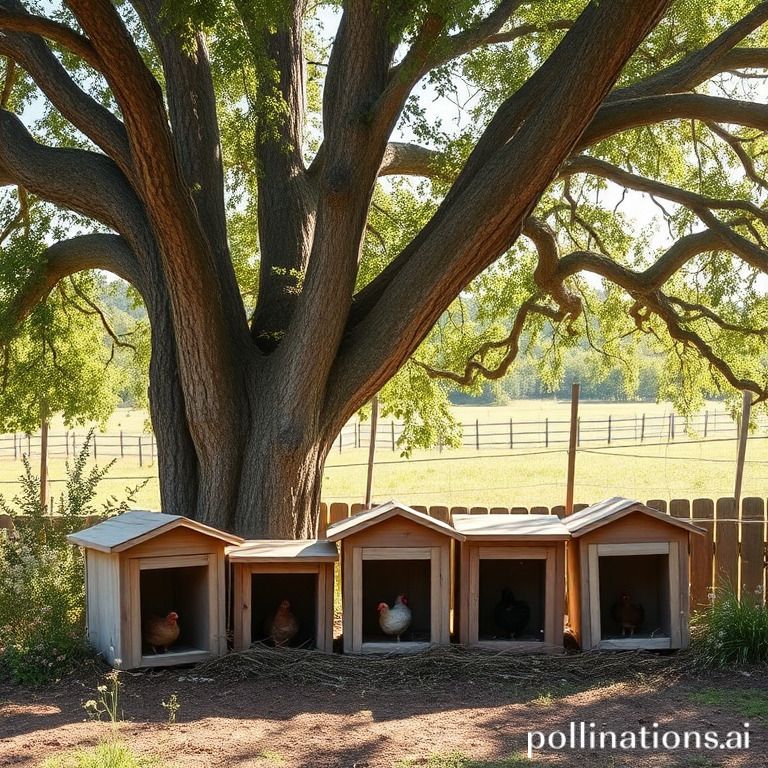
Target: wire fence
141, 447
511, 434
515, 434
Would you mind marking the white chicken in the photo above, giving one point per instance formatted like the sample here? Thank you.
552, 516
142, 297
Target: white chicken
395, 620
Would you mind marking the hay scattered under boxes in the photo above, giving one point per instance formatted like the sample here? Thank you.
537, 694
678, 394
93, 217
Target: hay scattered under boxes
446, 666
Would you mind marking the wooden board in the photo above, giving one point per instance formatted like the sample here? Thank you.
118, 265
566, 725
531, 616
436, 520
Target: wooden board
702, 551
125, 531
338, 511
103, 604
726, 545
284, 551
680, 508
753, 549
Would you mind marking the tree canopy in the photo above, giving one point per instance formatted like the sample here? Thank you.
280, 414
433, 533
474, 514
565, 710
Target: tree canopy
321, 202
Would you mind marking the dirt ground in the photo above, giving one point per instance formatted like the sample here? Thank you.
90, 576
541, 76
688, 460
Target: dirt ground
258, 723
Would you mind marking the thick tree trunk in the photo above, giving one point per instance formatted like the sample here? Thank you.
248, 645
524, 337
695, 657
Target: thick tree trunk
282, 469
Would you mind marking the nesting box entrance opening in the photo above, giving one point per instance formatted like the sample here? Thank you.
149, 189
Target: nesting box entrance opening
183, 591
512, 600
635, 598
383, 582
268, 590
267, 573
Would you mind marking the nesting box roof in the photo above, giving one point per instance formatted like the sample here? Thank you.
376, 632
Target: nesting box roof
615, 508
124, 531
517, 527
379, 514
281, 551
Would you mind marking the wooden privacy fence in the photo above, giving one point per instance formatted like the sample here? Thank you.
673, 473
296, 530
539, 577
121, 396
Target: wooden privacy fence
732, 554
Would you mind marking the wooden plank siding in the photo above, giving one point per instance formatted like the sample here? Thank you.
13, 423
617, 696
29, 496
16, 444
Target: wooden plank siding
753, 548
742, 545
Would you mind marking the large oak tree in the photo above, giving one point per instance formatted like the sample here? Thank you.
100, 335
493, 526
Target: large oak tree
184, 129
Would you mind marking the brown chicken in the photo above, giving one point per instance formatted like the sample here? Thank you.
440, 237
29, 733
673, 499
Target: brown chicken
628, 615
283, 627
161, 632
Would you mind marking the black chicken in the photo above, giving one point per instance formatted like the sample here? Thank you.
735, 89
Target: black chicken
511, 616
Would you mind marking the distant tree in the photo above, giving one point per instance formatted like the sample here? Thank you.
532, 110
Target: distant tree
228, 157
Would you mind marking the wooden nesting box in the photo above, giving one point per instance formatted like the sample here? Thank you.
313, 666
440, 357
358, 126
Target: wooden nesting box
267, 572
147, 564
628, 582
512, 581
393, 550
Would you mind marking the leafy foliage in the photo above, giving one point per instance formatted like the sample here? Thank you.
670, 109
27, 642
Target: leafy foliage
731, 632
42, 597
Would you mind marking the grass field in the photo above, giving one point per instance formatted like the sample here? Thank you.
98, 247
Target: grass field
491, 477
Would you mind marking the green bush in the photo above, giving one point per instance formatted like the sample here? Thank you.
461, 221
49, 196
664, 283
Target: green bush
731, 632
42, 591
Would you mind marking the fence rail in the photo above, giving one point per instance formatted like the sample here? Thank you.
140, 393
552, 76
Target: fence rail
545, 433
479, 435
732, 553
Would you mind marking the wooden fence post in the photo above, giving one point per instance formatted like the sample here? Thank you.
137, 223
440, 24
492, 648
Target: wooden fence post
746, 406
572, 442
706, 422
393, 434
546, 432
511, 436
372, 450
609, 430
122, 452
141, 456
642, 429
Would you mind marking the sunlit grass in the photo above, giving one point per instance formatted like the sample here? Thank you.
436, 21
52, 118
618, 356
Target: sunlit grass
526, 477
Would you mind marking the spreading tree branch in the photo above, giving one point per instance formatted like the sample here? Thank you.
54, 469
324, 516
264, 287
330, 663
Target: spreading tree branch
66, 258
95, 309
619, 116
476, 366
700, 65
407, 159
485, 210
14, 18
85, 113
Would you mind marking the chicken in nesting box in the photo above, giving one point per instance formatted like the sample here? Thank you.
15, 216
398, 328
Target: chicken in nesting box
283, 626
161, 632
628, 615
511, 616
395, 620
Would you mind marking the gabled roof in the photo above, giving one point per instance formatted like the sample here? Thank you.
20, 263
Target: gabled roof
136, 526
282, 550
615, 508
517, 527
379, 514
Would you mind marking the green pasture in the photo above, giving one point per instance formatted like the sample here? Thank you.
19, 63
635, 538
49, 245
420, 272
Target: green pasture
526, 476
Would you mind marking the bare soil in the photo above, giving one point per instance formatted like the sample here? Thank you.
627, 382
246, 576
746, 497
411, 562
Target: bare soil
258, 722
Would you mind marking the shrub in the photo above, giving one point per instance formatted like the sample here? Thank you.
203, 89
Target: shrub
730, 631
110, 754
42, 591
